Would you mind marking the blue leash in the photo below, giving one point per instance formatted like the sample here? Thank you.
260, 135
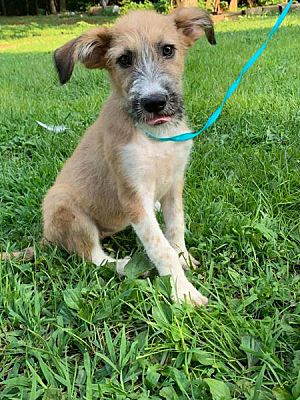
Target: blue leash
215, 115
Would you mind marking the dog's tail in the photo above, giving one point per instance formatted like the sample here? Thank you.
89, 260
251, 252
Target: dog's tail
23, 255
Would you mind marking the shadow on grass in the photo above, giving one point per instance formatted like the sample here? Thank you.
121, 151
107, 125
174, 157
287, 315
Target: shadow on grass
244, 30
54, 20
22, 27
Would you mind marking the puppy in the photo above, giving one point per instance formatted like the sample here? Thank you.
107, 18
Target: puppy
117, 173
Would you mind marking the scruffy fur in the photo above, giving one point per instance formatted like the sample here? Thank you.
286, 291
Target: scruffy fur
117, 174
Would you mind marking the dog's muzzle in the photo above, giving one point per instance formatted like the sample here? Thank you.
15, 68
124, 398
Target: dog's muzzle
156, 108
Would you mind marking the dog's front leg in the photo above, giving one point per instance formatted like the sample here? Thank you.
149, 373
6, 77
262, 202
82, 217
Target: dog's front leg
172, 207
165, 257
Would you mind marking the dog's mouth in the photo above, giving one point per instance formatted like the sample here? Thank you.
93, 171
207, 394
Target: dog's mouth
172, 112
159, 120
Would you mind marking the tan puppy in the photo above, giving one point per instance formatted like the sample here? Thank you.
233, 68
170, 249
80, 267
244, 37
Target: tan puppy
117, 173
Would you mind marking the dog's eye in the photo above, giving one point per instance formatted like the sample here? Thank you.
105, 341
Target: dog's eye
168, 51
125, 60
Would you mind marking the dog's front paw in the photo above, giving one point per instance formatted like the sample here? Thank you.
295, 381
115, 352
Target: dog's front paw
187, 261
183, 290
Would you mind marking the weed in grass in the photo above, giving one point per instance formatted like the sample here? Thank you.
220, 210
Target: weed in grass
71, 330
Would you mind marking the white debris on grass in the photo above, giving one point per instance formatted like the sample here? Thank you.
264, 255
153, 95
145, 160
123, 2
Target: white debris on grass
53, 128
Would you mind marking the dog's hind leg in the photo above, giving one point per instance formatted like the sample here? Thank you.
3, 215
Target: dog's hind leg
67, 225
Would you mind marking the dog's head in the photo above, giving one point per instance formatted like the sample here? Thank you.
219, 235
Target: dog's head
144, 54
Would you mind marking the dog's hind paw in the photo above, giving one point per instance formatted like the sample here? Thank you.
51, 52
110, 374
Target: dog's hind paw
121, 264
187, 261
157, 206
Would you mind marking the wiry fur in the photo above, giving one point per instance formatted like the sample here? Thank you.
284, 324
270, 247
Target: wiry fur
117, 173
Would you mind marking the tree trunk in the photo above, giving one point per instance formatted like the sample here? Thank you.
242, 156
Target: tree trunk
36, 5
62, 5
187, 3
233, 5
217, 7
52, 7
3, 7
27, 7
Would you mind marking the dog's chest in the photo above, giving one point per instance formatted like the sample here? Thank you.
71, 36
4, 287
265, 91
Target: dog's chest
151, 167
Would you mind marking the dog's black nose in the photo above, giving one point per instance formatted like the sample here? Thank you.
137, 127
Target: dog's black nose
154, 103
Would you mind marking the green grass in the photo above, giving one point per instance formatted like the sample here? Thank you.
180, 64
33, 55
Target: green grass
70, 330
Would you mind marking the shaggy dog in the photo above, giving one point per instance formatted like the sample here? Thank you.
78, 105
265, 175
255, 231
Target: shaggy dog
117, 173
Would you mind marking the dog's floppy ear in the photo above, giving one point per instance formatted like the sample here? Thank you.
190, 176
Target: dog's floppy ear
192, 22
89, 49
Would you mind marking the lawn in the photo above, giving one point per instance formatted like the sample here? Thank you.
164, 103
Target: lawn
70, 330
